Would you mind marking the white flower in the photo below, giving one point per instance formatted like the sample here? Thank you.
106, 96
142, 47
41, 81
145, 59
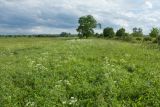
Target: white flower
127, 55
108, 64
31, 63
67, 82
30, 104
72, 101
64, 102
40, 67
122, 61
60, 81
115, 81
57, 86
106, 75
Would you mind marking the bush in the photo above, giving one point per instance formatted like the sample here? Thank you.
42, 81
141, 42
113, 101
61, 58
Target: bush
108, 32
137, 34
98, 35
127, 38
65, 34
147, 39
154, 40
154, 32
116, 38
158, 40
138, 38
131, 68
121, 32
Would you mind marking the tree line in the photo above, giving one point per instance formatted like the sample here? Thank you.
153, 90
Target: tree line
88, 23
63, 34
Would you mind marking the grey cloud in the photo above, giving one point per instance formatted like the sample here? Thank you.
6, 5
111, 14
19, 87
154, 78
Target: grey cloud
45, 16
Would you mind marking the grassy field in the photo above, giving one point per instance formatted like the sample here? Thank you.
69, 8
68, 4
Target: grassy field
54, 72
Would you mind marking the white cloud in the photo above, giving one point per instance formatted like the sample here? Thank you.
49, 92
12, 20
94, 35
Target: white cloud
148, 4
49, 16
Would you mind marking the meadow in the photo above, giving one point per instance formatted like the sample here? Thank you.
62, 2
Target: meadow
64, 72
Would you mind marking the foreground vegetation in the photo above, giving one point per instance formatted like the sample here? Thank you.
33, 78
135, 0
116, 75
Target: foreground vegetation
47, 72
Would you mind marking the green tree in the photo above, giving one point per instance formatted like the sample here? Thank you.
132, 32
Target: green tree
154, 32
158, 40
65, 34
137, 32
121, 32
86, 26
108, 32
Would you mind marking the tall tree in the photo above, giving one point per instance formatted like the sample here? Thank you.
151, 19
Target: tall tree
134, 29
108, 32
86, 26
140, 30
121, 32
137, 32
154, 32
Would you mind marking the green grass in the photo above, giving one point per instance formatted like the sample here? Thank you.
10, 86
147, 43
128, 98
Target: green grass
54, 72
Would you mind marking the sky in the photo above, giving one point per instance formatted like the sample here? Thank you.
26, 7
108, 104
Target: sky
56, 16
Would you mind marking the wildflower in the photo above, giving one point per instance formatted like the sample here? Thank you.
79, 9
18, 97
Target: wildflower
122, 61
113, 69
127, 55
67, 82
30, 104
72, 101
64, 102
42, 59
60, 81
106, 59
57, 86
40, 67
31, 64
106, 75
115, 81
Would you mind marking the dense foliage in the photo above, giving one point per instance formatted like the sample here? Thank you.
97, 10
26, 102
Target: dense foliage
108, 32
86, 25
65, 34
121, 32
154, 32
137, 32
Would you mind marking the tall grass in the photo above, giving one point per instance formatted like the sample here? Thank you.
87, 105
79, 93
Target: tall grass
47, 72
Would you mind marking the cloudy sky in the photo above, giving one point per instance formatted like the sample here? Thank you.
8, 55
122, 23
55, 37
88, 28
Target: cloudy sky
55, 16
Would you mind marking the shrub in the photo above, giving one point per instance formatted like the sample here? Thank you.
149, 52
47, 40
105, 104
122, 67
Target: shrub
154, 32
127, 38
65, 34
158, 40
137, 32
154, 40
131, 68
147, 39
98, 35
138, 38
108, 32
121, 32
116, 38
